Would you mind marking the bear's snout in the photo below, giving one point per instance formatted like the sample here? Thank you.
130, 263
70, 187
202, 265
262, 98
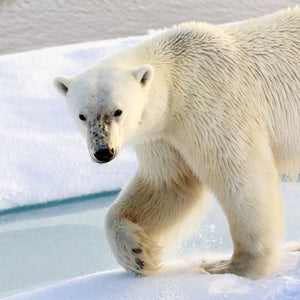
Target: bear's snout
104, 155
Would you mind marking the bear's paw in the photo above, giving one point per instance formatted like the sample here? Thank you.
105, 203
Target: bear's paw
135, 250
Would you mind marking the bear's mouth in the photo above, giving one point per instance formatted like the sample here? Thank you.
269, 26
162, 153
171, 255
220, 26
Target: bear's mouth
103, 155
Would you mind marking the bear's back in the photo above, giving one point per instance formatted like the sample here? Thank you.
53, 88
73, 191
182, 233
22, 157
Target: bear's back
272, 44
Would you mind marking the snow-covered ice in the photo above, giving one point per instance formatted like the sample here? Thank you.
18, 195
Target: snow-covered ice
43, 158
178, 282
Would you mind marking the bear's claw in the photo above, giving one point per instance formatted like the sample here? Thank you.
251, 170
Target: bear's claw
140, 263
218, 267
227, 266
136, 250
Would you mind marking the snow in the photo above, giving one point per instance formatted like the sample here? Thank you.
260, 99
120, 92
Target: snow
177, 281
43, 158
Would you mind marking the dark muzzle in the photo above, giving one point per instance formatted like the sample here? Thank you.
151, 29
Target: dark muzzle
104, 155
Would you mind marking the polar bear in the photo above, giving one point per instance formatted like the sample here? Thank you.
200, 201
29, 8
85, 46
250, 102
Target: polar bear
206, 108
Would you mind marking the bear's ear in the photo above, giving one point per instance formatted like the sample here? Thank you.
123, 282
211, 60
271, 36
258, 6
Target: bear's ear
62, 84
144, 74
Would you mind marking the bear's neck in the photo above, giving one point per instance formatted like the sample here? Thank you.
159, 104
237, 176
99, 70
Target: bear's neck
188, 62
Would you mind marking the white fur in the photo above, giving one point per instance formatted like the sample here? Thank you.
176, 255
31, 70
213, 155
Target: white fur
204, 107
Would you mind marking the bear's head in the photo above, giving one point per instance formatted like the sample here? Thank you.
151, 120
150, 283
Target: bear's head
109, 105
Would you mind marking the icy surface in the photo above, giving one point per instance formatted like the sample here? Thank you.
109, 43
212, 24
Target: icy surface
67, 240
178, 281
56, 22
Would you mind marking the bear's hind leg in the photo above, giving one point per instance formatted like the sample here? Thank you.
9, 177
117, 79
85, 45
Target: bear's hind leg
255, 218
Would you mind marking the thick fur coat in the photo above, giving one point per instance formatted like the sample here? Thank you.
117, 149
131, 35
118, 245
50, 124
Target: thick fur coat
205, 107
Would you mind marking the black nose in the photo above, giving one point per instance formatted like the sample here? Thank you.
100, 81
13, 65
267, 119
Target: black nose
104, 154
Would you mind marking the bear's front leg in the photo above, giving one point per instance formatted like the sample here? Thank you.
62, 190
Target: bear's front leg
148, 214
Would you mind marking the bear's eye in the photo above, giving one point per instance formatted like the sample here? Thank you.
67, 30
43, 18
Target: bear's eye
82, 117
118, 113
